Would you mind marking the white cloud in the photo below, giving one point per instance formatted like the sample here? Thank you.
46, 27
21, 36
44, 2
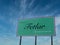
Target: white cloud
28, 37
58, 41
44, 42
28, 40
23, 5
57, 20
31, 3
9, 41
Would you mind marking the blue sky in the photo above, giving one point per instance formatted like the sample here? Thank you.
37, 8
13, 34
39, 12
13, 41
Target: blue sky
12, 10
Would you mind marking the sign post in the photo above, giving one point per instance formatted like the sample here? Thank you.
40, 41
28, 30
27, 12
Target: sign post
36, 27
20, 40
35, 40
51, 40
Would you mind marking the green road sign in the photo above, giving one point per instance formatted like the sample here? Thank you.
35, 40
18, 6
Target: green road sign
36, 26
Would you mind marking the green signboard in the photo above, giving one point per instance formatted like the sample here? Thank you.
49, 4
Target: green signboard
36, 26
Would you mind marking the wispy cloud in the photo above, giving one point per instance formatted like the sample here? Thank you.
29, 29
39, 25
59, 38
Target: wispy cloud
57, 20
8, 41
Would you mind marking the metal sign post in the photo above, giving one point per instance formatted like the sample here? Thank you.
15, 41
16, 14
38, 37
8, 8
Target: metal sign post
35, 40
20, 40
51, 40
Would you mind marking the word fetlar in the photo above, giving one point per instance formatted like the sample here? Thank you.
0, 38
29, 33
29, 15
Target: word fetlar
34, 26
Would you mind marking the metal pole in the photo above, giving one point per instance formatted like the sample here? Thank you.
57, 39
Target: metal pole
20, 40
35, 40
51, 40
